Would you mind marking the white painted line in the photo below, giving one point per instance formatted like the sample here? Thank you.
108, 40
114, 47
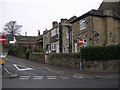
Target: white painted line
25, 68
51, 77
78, 76
7, 71
24, 76
38, 76
65, 77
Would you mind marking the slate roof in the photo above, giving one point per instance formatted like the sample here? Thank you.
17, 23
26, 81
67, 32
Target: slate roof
21, 38
113, 6
96, 13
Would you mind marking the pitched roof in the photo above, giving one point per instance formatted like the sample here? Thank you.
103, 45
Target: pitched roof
92, 13
96, 13
113, 6
21, 38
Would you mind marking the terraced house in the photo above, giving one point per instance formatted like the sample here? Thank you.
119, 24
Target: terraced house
58, 39
97, 27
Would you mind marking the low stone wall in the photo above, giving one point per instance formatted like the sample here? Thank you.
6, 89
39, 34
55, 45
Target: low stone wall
102, 66
90, 66
40, 57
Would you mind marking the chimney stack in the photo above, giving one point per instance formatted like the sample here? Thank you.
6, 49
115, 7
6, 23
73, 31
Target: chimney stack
38, 32
55, 23
25, 33
63, 20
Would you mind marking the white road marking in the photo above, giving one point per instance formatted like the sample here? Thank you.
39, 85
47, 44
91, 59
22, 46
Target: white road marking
51, 77
25, 68
24, 77
38, 77
65, 77
78, 77
7, 71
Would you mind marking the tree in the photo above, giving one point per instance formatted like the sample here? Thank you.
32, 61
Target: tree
12, 28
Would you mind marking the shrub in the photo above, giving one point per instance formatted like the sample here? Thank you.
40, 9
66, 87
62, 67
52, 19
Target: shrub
101, 53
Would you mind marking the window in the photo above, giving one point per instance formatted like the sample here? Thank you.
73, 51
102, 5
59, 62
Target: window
67, 34
82, 24
53, 46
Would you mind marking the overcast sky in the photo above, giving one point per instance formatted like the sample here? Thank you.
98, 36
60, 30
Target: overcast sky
36, 15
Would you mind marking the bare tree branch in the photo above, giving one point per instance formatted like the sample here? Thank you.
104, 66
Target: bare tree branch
12, 28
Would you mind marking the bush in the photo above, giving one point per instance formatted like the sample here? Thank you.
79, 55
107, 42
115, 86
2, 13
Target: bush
101, 53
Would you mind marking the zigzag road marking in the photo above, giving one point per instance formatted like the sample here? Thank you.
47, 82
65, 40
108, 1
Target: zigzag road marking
23, 68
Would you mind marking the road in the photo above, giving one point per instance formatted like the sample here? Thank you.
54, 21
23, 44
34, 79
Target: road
31, 75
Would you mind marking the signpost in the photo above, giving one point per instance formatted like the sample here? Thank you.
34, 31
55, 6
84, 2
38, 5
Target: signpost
2, 41
81, 42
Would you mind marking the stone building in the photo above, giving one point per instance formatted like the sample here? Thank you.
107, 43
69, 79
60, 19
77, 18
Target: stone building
46, 41
97, 27
66, 34
33, 42
27, 41
58, 39
39, 45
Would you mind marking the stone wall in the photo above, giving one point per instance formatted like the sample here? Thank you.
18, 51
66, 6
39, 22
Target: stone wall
40, 57
89, 66
101, 66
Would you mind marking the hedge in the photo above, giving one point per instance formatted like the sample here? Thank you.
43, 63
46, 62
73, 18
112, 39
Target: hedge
101, 53
93, 53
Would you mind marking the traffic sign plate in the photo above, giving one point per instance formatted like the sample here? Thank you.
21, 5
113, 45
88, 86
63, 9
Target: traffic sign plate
2, 39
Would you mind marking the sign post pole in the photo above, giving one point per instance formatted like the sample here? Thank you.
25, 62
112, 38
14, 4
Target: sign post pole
81, 60
2, 41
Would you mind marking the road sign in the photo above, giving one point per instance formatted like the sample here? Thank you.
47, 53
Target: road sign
81, 41
2, 39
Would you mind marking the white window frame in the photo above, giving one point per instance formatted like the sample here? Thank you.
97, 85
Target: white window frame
82, 24
53, 46
67, 34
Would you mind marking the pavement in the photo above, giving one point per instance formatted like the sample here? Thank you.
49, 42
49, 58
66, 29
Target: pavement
69, 71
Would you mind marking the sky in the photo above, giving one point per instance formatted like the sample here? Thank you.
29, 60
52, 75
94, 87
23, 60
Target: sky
36, 15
